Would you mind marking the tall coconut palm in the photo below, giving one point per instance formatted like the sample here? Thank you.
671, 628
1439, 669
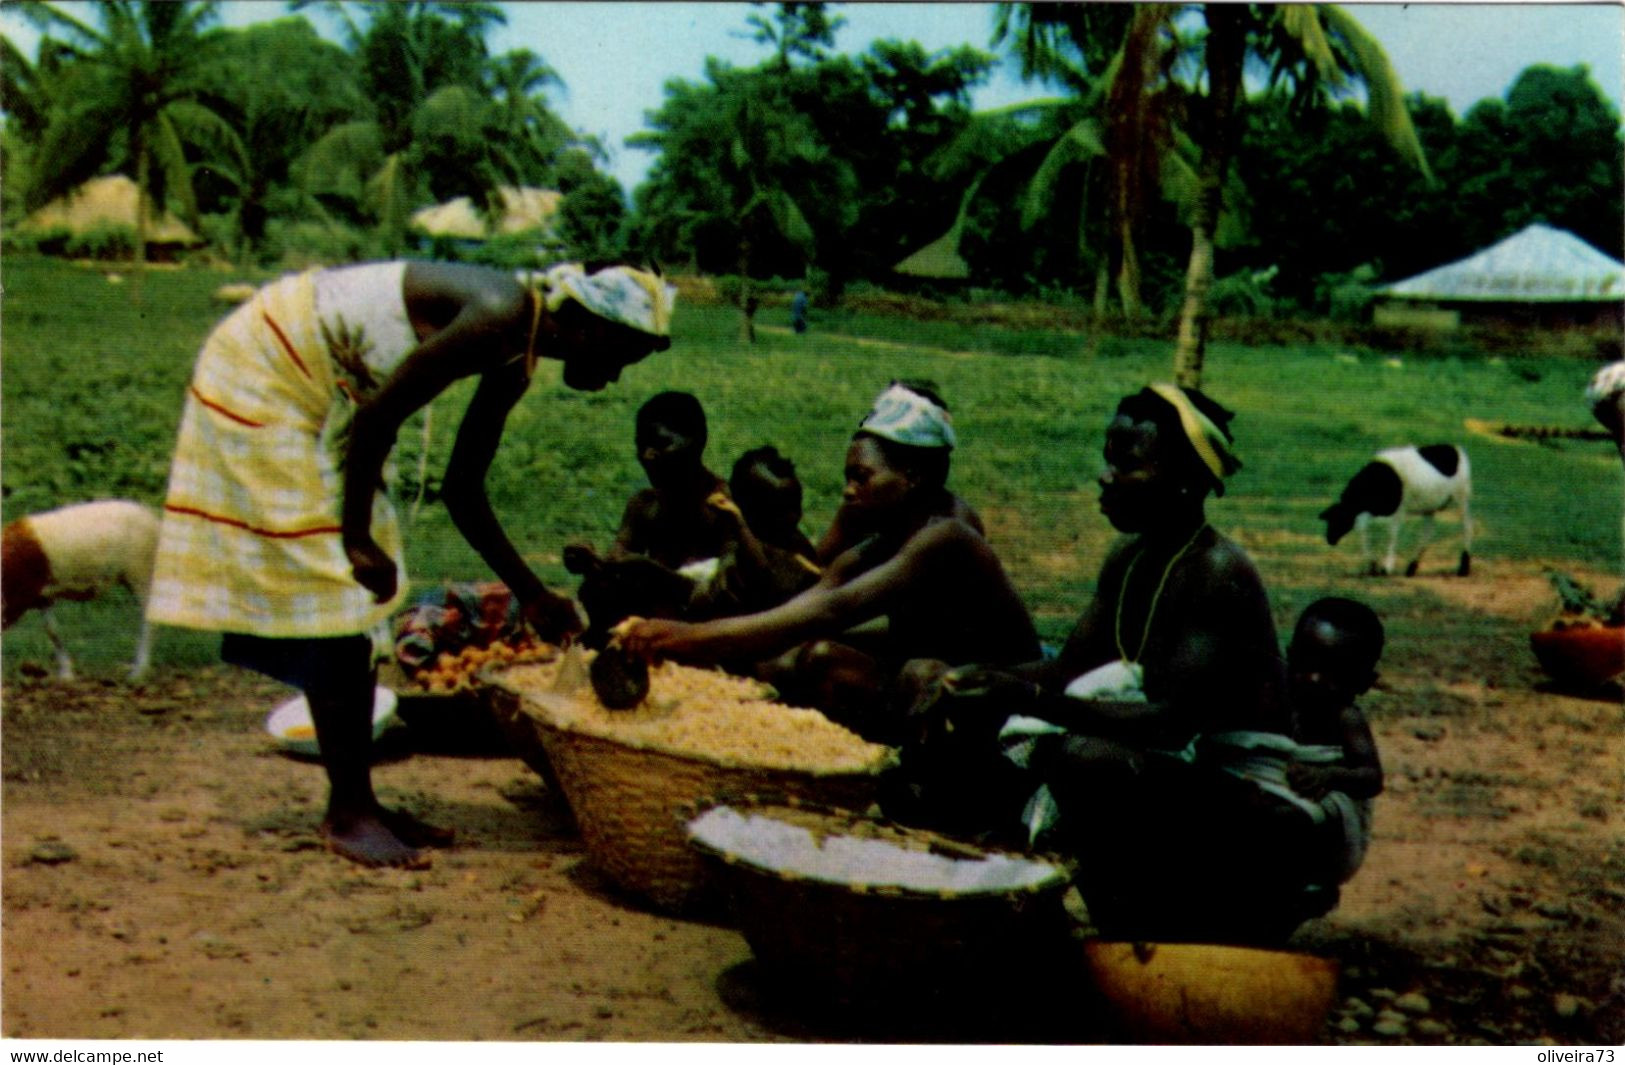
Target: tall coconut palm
129, 92
1103, 150
1159, 116
1311, 51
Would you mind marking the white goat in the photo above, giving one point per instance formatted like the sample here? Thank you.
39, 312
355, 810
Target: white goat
1401, 481
76, 552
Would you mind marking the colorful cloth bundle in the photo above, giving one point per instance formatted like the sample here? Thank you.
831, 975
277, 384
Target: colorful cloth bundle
458, 615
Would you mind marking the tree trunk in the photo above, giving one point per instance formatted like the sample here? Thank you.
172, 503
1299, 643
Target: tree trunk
1128, 267
143, 192
1128, 273
747, 296
1225, 53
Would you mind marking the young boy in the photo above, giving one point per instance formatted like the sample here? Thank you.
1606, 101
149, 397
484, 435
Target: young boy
772, 558
671, 521
1331, 662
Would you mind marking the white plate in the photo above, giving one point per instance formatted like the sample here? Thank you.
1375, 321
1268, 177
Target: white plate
291, 726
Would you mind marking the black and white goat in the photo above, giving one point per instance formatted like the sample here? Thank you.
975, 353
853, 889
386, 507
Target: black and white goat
77, 552
1399, 482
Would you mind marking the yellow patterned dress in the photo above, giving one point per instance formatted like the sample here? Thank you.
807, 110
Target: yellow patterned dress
251, 532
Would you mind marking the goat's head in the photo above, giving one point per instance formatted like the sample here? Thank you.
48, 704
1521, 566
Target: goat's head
1339, 520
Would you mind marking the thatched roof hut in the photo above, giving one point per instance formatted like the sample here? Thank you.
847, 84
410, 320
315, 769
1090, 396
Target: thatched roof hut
106, 202
524, 210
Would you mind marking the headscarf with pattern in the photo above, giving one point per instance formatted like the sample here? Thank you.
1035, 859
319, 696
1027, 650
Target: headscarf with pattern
903, 416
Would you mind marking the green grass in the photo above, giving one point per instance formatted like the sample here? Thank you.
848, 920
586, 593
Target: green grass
94, 373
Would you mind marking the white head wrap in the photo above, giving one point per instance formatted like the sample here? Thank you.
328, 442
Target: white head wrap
1609, 382
634, 298
903, 416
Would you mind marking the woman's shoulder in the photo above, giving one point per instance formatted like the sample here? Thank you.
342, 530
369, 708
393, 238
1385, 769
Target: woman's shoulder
959, 510
1225, 557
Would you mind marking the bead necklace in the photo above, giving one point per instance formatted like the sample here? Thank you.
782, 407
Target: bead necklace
1122, 593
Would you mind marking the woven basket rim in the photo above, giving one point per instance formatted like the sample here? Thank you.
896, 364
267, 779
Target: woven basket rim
1059, 878
885, 760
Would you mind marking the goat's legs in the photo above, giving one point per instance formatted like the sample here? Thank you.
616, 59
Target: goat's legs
64, 663
1391, 559
1363, 523
1429, 530
143, 651
1466, 564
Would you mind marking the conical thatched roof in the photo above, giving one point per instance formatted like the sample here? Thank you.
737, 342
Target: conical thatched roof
106, 201
523, 210
1536, 265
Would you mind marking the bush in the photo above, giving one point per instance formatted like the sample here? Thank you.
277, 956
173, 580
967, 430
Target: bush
105, 242
299, 245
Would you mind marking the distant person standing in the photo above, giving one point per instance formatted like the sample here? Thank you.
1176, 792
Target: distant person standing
798, 312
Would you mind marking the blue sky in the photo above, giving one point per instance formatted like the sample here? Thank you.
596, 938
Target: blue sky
615, 57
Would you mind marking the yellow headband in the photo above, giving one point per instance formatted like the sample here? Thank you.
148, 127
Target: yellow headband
1206, 437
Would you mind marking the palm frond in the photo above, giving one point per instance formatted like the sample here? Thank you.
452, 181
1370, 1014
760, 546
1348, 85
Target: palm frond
1385, 93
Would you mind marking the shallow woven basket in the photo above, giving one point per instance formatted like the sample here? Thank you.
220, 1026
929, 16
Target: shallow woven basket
881, 944
630, 801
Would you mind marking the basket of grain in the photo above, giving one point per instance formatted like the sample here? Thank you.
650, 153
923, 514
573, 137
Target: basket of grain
630, 775
860, 911
1211, 994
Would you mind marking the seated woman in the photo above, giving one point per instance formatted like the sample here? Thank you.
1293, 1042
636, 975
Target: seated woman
931, 577
1177, 643
851, 522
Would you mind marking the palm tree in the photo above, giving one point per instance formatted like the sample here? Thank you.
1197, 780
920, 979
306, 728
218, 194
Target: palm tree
129, 93
740, 162
434, 129
1101, 152
1157, 117
284, 86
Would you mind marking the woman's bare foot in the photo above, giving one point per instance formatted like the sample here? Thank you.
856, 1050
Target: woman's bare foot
368, 841
414, 832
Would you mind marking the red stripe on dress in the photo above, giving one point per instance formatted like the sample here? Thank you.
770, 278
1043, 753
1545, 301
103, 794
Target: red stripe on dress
271, 534
219, 409
286, 344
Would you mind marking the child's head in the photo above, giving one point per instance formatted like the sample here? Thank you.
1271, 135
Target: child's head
1332, 659
765, 486
670, 437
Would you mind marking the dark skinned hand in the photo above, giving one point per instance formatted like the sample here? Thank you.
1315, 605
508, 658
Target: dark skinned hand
373, 569
552, 617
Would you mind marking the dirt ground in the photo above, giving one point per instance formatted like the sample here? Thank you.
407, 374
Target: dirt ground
163, 878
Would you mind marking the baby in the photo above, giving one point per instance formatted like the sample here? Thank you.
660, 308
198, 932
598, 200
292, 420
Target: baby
770, 559
1331, 662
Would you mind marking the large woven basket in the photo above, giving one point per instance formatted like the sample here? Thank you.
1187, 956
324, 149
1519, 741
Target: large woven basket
630, 801
879, 937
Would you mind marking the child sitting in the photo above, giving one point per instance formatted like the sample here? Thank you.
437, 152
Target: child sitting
1331, 662
772, 559
671, 521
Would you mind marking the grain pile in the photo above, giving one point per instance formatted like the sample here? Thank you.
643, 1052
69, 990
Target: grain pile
703, 713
